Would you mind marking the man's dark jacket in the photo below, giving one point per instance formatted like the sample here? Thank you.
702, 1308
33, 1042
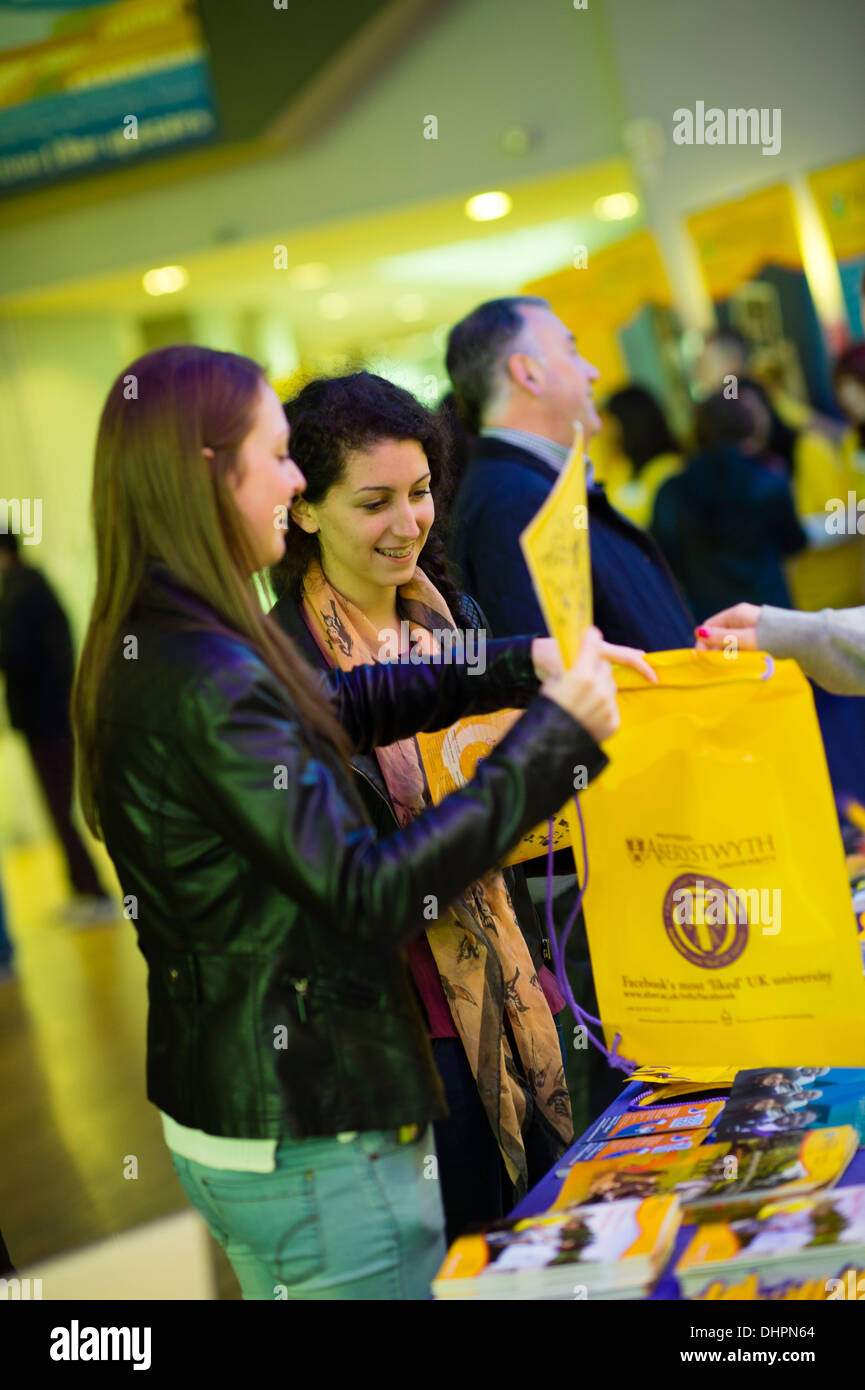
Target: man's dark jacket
35, 654
637, 602
270, 912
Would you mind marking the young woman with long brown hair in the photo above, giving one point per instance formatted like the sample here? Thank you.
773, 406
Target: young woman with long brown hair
284, 1051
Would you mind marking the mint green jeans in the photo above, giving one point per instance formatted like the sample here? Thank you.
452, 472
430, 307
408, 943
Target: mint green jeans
355, 1219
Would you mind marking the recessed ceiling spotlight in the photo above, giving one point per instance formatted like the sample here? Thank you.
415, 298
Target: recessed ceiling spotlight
616, 207
486, 207
166, 279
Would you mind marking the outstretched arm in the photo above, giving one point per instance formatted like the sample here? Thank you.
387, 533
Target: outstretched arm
383, 703
829, 645
306, 834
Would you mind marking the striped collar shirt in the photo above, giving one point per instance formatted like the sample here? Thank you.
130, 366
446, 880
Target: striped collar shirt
556, 455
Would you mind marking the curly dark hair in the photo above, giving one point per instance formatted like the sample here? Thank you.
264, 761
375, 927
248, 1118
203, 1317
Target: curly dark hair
645, 432
331, 417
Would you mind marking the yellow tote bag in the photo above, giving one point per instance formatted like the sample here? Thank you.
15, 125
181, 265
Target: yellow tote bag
717, 906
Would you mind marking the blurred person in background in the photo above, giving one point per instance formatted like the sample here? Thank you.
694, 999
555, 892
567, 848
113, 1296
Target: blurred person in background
6, 952
759, 442
638, 433
37, 662
827, 641
6, 1265
520, 386
818, 457
724, 356
727, 522
285, 1053
364, 574
724, 367
849, 376
829, 464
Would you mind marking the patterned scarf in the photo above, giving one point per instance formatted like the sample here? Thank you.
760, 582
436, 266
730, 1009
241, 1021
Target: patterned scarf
480, 953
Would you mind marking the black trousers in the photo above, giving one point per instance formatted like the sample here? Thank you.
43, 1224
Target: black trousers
54, 761
475, 1186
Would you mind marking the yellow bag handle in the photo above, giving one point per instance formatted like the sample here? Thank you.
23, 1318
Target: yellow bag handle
687, 668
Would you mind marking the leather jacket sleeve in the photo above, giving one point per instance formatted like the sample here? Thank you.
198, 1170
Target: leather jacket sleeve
383, 703
254, 773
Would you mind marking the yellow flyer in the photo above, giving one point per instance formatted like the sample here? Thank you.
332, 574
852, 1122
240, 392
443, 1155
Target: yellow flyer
556, 549
555, 545
668, 1076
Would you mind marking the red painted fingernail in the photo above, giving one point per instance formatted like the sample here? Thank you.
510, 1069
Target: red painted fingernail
702, 632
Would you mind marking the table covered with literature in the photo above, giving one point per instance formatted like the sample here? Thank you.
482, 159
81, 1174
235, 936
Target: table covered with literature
726, 1179
730, 1184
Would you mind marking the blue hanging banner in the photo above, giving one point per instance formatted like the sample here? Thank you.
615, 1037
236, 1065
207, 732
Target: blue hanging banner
83, 87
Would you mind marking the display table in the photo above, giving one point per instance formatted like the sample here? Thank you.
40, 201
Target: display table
547, 1190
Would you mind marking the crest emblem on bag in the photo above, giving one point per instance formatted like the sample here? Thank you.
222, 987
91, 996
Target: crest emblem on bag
706, 920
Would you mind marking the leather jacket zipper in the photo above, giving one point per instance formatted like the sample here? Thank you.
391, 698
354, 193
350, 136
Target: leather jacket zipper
300, 989
370, 783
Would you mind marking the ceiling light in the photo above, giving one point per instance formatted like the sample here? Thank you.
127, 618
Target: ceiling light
486, 207
616, 207
167, 279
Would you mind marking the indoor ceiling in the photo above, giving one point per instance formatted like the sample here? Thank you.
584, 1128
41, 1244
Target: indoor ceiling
407, 268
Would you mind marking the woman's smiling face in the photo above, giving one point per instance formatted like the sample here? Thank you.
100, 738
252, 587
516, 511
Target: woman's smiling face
372, 525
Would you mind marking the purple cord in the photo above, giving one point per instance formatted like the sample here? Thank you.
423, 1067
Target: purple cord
611, 1054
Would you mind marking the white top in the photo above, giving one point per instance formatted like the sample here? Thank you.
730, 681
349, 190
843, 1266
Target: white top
215, 1151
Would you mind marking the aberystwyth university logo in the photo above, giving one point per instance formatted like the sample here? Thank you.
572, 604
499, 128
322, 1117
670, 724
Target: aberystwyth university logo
706, 920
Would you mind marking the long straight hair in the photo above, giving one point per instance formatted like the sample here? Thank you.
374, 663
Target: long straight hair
155, 495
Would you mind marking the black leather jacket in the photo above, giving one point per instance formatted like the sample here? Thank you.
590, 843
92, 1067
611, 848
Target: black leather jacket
270, 913
372, 788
